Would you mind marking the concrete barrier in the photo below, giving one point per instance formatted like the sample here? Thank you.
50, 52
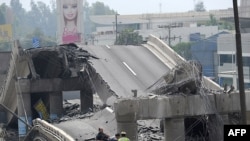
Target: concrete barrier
50, 131
171, 58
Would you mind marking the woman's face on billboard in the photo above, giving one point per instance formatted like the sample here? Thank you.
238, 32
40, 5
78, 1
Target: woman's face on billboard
70, 9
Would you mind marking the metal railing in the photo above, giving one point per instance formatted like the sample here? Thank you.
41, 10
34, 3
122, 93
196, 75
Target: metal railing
49, 131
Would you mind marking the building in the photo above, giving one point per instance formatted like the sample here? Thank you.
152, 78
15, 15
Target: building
227, 68
205, 51
165, 25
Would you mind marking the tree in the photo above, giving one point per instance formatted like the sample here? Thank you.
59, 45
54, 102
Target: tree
129, 37
40, 16
2, 14
43, 40
19, 17
99, 8
5, 46
184, 50
212, 20
226, 25
221, 24
199, 7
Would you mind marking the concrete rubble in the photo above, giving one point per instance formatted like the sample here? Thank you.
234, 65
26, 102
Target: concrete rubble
183, 80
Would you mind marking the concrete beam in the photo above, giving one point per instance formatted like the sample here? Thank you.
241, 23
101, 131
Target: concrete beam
174, 109
162, 107
177, 106
50, 85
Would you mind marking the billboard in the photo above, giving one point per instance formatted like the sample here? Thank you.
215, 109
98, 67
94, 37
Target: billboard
5, 33
69, 21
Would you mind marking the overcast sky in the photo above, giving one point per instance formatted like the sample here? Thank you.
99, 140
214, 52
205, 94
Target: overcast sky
149, 6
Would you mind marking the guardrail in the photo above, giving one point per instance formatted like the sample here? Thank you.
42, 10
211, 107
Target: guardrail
49, 131
171, 58
170, 54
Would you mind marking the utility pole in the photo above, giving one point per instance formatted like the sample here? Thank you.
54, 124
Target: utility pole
240, 64
116, 26
169, 27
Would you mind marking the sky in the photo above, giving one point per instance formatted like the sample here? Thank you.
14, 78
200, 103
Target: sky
127, 7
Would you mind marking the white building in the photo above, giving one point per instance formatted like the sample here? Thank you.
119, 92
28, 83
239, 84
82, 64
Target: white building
228, 71
182, 25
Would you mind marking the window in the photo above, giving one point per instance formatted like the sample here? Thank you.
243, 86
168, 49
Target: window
246, 61
227, 58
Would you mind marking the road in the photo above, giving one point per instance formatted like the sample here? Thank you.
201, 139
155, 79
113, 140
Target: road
125, 68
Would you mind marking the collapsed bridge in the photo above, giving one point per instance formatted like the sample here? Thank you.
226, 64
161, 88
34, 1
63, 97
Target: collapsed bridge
41, 74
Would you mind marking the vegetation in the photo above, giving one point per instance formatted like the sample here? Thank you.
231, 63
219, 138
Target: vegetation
40, 21
220, 23
99, 8
129, 37
184, 50
2, 13
5, 46
199, 7
43, 40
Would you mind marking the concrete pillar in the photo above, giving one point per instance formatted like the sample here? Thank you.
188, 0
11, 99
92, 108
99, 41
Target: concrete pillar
86, 98
225, 118
248, 117
55, 105
174, 129
215, 127
2, 116
24, 112
130, 128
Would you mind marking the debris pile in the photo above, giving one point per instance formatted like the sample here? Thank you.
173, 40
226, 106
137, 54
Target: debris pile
186, 79
150, 130
183, 79
72, 111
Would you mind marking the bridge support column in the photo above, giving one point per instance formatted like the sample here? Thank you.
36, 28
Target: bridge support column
130, 127
86, 98
248, 107
174, 129
24, 112
215, 128
56, 105
225, 118
248, 117
2, 116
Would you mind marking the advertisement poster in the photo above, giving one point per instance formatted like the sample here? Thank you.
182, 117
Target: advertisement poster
69, 21
5, 33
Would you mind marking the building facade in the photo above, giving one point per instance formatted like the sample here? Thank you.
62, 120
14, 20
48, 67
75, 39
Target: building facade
228, 68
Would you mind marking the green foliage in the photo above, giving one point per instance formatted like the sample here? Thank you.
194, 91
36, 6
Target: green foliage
43, 40
184, 50
129, 37
199, 7
212, 20
41, 16
226, 25
2, 14
5, 46
99, 8
221, 24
